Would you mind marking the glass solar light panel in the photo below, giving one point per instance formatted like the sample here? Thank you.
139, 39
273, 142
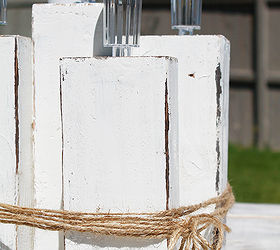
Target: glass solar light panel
186, 15
122, 24
3, 12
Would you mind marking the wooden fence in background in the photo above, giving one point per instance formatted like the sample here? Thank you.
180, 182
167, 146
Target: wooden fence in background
253, 29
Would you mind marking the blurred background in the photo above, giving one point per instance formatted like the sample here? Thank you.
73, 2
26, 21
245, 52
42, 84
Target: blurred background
253, 28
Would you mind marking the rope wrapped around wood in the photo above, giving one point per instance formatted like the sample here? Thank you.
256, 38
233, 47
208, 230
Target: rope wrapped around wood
185, 224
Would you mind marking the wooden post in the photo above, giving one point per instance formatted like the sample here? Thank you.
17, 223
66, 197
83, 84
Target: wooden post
203, 86
58, 30
62, 1
16, 178
262, 87
119, 119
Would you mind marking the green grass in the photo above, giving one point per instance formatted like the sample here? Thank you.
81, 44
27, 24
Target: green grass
254, 174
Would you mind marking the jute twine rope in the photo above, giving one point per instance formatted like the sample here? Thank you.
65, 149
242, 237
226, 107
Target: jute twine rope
184, 225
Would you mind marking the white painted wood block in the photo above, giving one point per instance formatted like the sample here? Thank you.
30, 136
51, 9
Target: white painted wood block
68, 1
59, 30
254, 227
117, 139
203, 86
63, 1
16, 160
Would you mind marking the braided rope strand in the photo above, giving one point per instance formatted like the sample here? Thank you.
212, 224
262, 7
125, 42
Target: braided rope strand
176, 225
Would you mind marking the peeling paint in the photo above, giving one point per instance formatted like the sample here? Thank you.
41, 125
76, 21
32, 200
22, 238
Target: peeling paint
16, 84
218, 78
62, 77
62, 135
62, 244
218, 164
167, 144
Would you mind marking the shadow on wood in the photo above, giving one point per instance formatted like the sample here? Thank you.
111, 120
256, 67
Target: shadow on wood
109, 241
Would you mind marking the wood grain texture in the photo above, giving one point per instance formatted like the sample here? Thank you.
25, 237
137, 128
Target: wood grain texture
120, 138
254, 227
25, 115
8, 177
262, 89
274, 116
203, 64
58, 30
274, 40
16, 179
242, 116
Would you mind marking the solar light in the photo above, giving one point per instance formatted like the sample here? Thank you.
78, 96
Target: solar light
186, 15
3, 12
122, 23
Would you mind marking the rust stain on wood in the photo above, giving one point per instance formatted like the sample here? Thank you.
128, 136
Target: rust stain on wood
218, 78
167, 144
16, 85
33, 125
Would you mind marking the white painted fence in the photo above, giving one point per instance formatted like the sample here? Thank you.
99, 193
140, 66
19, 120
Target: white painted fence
16, 158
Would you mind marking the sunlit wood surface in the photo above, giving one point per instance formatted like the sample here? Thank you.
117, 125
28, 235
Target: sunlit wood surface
254, 227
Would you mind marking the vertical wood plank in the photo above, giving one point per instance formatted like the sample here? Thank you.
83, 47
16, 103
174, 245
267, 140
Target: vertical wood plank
25, 235
119, 120
58, 30
203, 85
8, 158
16, 179
262, 43
241, 115
274, 117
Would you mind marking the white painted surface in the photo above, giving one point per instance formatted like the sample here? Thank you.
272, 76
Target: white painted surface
254, 227
58, 30
202, 133
63, 1
8, 182
25, 111
69, 1
16, 179
113, 112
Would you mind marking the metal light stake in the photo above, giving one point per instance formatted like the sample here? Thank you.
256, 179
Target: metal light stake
122, 24
3, 12
186, 15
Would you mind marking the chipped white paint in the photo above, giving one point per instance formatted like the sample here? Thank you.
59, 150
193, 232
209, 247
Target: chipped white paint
203, 110
16, 178
254, 227
58, 30
25, 115
114, 125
